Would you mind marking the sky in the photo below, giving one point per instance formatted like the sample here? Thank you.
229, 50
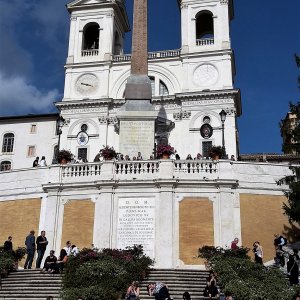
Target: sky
265, 36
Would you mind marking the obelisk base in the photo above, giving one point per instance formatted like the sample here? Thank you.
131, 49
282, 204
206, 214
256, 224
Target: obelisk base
137, 132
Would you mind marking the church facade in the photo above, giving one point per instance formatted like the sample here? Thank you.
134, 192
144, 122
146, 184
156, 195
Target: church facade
171, 207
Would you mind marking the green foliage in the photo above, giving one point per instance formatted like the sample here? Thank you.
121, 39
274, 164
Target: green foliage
8, 259
210, 252
105, 274
292, 208
245, 279
216, 151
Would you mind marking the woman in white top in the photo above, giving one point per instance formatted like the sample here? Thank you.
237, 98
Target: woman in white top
43, 162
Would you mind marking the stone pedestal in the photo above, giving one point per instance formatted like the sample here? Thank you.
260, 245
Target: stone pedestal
137, 132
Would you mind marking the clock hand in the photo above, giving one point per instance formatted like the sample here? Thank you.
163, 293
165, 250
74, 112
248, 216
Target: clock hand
86, 84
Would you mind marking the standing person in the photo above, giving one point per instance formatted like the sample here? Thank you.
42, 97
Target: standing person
36, 162
43, 162
133, 291
68, 248
293, 268
41, 243
279, 241
258, 252
8, 246
234, 243
139, 156
74, 250
30, 248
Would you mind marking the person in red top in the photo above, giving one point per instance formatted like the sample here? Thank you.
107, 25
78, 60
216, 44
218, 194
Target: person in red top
234, 244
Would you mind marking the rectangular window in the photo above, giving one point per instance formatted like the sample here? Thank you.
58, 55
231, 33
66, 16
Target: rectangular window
33, 128
31, 151
82, 154
206, 147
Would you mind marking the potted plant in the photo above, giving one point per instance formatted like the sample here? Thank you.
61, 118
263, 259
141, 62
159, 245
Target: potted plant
216, 152
64, 157
18, 255
108, 153
164, 151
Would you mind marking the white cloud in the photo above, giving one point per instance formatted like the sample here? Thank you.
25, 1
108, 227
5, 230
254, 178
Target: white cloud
19, 97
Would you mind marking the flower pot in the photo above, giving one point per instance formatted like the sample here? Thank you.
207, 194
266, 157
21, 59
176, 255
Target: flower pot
165, 156
63, 161
215, 157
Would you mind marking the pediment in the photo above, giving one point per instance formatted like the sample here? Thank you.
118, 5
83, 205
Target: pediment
77, 3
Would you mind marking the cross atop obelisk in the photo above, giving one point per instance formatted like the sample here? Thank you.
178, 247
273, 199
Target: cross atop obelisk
138, 85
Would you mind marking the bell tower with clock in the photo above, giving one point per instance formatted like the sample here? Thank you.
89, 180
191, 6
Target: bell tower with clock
97, 30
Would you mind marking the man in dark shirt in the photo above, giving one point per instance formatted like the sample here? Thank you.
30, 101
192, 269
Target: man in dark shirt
8, 245
41, 243
49, 262
30, 247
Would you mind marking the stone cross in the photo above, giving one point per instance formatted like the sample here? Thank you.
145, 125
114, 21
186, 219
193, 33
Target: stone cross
139, 59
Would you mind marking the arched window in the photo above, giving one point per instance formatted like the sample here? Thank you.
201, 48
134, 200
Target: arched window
5, 165
55, 154
162, 87
204, 26
90, 43
8, 142
163, 90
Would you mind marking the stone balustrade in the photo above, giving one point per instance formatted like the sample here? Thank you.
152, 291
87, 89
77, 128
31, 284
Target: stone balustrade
205, 42
37, 180
90, 52
151, 55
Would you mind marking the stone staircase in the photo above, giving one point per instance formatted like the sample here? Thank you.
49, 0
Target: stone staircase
30, 285
178, 281
33, 285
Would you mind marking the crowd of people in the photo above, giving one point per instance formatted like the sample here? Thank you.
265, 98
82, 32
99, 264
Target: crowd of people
284, 258
38, 246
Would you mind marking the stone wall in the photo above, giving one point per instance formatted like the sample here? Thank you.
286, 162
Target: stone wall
196, 228
78, 223
262, 217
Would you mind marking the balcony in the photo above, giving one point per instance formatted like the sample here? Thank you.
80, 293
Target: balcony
90, 52
151, 55
186, 173
205, 42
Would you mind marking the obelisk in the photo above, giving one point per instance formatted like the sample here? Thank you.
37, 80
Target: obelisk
138, 85
137, 116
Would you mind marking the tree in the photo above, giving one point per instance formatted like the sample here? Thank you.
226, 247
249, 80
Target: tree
292, 145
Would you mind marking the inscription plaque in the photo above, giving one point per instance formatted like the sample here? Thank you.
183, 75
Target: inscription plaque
137, 136
136, 223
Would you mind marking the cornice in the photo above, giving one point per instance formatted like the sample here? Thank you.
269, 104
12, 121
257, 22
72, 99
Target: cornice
83, 103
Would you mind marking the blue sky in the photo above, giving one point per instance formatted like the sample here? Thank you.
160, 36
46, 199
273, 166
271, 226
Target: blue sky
265, 35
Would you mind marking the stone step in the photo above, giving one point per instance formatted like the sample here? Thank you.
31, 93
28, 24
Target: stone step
27, 296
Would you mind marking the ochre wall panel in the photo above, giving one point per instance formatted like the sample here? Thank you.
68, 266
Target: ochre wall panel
196, 228
262, 217
78, 223
17, 218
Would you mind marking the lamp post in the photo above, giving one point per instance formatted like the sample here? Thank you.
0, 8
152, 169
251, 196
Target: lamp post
59, 124
223, 118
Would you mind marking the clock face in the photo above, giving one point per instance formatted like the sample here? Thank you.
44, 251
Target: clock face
206, 75
87, 84
82, 138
